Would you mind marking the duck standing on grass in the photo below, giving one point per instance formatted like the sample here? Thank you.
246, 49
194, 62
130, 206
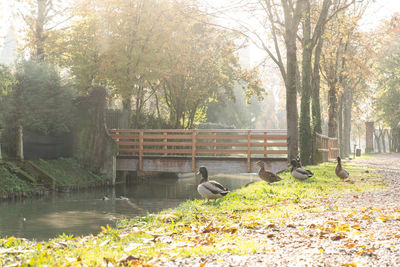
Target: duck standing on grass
298, 172
210, 189
267, 176
340, 172
299, 165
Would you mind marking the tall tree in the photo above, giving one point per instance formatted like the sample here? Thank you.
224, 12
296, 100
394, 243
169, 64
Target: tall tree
41, 18
284, 20
311, 37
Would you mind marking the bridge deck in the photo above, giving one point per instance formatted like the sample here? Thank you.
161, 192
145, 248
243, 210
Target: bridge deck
184, 164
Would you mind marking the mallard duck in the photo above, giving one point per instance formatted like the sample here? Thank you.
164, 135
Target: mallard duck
299, 165
340, 172
267, 176
298, 172
210, 189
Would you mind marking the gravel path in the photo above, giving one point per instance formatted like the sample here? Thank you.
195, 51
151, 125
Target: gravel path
354, 230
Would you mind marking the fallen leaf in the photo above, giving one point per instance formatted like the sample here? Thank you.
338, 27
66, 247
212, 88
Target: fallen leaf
104, 243
130, 247
350, 245
209, 228
337, 237
366, 217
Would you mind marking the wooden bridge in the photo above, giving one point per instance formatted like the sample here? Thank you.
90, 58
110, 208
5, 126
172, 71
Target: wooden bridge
225, 151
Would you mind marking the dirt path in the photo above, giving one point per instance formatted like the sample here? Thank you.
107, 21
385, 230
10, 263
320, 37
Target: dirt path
354, 230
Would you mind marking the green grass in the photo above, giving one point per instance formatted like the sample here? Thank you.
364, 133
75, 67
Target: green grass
195, 227
11, 183
68, 172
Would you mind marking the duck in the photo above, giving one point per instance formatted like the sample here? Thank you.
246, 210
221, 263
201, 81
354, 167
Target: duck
298, 172
300, 166
267, 176
210, 189
340, 172
105, 197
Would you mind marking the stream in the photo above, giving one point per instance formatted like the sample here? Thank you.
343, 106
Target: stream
84, 212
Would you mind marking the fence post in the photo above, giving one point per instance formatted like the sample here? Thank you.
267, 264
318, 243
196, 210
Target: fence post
141, 151
194, 135
20, 144
165, 143
214, 141
265, 144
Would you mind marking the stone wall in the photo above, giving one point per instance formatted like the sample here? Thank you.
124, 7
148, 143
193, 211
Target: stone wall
92, 144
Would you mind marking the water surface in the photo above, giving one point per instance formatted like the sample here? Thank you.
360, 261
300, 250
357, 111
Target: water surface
83, 212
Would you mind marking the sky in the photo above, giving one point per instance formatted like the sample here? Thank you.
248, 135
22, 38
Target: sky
380, 9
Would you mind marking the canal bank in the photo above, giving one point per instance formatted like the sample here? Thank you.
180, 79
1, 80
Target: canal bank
85, 211
35, 177
199, 228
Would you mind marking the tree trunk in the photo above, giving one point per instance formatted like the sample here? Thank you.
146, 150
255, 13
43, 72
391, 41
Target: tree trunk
305, 126
383, 140
378, 140
315, 87
332, 111
340, 125
291, 94
39, 30
347, 122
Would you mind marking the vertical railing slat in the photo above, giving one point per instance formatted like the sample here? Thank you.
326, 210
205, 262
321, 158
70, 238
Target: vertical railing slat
265, 144
194, 134
165, 143
214, 147
141, 151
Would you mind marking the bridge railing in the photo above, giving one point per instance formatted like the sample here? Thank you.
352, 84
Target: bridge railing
327, 147
201, 143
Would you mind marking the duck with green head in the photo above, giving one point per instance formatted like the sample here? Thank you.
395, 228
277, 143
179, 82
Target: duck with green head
210, 189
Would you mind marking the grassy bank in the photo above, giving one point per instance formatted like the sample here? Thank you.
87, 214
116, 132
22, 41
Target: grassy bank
195, 227
68, 172
10, 183
23, 177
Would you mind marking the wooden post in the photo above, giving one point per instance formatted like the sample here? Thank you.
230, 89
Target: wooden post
114, 171
117, 136
265, 144
369, 136
165, 143
141, 151
20, 144
194, 134
248, 151
214, 141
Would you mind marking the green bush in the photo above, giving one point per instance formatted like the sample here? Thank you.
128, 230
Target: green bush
38, 101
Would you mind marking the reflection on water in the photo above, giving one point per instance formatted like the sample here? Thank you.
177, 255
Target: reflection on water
83, 212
